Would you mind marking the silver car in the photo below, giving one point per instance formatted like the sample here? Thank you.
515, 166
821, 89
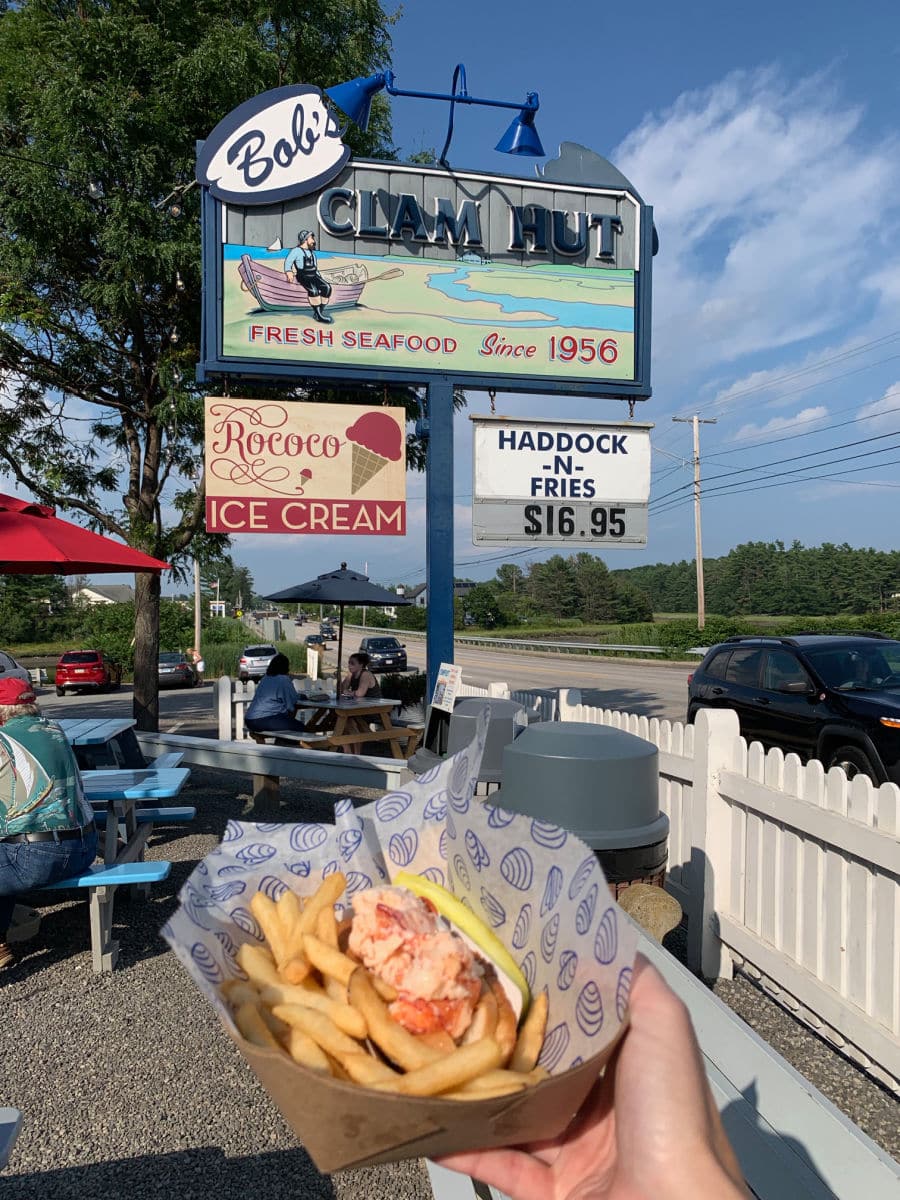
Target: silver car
10, 669
254, 661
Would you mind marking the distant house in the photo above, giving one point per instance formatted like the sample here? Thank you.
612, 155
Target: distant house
419, 595
110, 593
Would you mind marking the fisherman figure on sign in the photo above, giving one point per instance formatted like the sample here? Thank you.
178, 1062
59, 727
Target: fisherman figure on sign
302, 260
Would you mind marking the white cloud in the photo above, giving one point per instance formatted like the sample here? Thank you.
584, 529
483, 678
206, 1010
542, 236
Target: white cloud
884, 414
770, 206
805, 417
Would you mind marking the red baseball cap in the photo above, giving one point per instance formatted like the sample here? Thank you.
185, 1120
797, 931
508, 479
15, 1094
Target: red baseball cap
16, 691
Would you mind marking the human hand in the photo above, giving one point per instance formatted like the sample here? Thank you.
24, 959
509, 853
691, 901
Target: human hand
649, 1130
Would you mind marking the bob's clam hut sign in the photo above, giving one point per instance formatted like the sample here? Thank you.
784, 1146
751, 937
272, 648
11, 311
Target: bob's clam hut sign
316, 265
539, 285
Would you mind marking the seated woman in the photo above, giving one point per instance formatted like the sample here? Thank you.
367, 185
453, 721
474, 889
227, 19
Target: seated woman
276, 700
360, 684
46, 826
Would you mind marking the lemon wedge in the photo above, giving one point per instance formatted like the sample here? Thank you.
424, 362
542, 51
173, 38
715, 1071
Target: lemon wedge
470, 925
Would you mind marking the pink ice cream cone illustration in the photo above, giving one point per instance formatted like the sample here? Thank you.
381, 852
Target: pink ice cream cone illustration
377, 439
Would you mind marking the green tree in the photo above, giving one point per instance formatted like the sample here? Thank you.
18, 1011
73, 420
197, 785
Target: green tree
110, 627
553, 587
101, 103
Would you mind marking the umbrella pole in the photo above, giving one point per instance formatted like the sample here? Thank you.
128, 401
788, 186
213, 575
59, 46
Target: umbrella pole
337, 690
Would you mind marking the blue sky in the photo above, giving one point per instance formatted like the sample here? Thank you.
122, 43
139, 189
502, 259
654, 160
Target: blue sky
764, 136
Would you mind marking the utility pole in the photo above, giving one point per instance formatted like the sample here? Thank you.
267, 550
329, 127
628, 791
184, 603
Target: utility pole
697, 421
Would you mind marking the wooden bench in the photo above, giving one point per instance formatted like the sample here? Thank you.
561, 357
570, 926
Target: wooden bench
171, 758
269, 764
174, 815
102, 882
310, 741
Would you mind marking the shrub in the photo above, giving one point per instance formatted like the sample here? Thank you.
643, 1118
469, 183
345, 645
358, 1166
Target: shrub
409, 689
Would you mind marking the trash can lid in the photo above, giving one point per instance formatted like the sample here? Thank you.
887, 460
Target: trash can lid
599, 782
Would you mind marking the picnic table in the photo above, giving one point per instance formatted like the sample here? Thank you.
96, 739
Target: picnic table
119, 792
103, 742
342, 722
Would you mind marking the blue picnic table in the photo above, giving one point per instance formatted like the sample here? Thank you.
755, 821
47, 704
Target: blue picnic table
108, 742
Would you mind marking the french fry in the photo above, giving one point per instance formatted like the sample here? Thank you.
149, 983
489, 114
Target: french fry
288, 906
439, 1039
347, 1019
326, 895
448, 1073
267, 916
303, 1050
385, 990
505, 1076
239, 991
258, 965
279, 1029
366, 1068
296, 970
462, 1093
484, 1018
328, 959
320, 1028
326, 927
400, 1046
249, 1021
505, 1032
531, 1035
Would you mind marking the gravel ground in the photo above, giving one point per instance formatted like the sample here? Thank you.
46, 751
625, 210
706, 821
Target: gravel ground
129, 1085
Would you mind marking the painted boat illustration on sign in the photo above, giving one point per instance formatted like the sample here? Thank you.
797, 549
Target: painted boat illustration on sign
274, 292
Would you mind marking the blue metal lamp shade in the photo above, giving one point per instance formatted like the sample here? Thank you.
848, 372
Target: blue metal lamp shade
521, 136
355, 98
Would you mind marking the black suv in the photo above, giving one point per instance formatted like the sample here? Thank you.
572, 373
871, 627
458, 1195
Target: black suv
385, 653
835, 697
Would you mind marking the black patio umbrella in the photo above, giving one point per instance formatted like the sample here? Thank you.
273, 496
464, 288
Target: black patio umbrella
342, 588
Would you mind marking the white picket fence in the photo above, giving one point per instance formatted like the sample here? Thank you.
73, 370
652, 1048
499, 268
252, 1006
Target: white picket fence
789, 872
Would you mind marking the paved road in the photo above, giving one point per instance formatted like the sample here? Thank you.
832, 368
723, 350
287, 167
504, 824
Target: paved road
650, 688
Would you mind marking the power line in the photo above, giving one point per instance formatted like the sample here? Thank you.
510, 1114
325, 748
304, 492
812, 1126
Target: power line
778, 462
739, 489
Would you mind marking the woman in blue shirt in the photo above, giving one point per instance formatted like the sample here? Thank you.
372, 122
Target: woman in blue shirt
276, 700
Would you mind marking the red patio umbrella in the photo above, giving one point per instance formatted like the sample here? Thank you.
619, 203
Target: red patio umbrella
34, 541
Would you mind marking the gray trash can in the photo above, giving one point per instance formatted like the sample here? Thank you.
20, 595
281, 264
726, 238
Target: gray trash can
507, 720
598, 782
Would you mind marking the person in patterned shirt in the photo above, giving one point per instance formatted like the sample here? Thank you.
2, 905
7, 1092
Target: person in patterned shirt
46, 826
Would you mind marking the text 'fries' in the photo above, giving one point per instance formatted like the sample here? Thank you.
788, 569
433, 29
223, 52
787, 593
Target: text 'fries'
307, 998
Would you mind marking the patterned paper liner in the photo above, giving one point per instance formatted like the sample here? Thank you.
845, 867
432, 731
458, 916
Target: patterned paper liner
538, 886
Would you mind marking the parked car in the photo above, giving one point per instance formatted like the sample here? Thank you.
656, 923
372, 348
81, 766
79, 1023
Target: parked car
87, 670
10, 669
834, 697
385, 653
254, 660
176, 670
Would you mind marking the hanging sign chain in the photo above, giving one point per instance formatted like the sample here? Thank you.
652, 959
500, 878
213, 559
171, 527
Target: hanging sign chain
492, 392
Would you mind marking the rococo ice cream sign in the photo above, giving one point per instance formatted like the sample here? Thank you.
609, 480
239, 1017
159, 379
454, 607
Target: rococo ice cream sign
276, 467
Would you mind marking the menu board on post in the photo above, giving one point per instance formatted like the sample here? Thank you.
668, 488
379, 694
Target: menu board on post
564, 483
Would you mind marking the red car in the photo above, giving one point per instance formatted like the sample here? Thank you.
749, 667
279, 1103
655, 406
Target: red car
87, 669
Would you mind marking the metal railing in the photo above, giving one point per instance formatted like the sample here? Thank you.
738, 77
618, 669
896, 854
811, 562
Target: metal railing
468, 639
